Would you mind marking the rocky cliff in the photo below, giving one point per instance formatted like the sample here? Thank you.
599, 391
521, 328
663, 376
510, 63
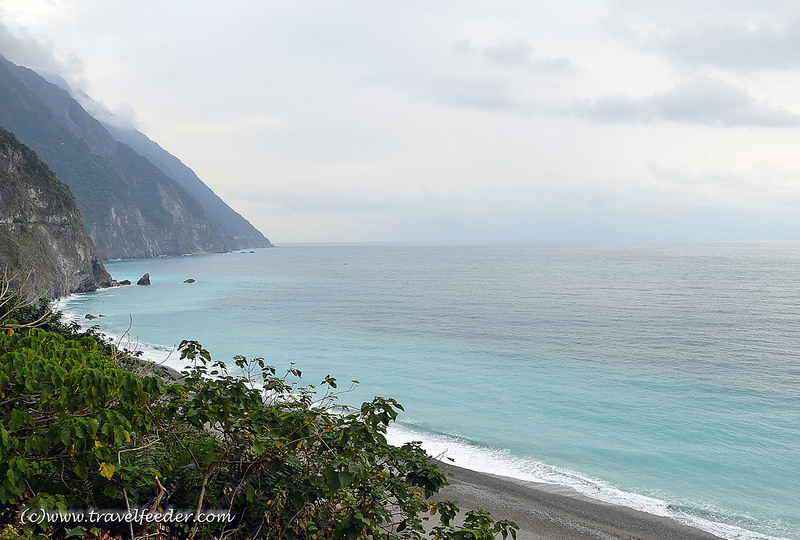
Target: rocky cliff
43, 245
235, 231
130, 208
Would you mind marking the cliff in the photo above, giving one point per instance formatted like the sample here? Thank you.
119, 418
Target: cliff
234, 230
130, 207
42, 242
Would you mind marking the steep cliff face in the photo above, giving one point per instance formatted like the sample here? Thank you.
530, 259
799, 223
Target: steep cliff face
42, 242
231, 227
130, 208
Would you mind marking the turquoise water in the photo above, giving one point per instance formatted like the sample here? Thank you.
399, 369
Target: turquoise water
662, 377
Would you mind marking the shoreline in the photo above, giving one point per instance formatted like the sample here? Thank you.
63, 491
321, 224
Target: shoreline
542, 510
551, 512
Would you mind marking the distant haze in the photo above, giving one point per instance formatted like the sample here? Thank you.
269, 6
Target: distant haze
528, 120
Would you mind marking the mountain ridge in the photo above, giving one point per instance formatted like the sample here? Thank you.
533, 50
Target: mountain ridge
232, 227
131, 208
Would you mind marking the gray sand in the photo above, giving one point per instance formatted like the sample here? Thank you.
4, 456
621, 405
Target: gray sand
546, 512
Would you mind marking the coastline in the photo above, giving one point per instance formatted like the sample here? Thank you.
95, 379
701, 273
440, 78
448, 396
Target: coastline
542, 510
550, 512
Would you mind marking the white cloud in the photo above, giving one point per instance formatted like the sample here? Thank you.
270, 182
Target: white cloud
17, 46
735, 45
516, 52
699, 101
485, 94
760, 186
554, 65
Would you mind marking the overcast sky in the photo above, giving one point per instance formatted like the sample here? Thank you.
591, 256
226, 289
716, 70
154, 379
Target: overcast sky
454, 120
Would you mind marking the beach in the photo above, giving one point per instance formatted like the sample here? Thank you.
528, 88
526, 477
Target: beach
550, 512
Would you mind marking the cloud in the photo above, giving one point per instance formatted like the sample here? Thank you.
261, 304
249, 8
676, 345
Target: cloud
19, 48
514, 53
754, 186
734, 45
699, 101
509, 53
483, 95
553, 65
122, 116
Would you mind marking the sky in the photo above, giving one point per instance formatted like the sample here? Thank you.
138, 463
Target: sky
453, 121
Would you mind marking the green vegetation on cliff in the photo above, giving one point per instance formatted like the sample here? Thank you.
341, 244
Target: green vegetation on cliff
42, 241
81, 430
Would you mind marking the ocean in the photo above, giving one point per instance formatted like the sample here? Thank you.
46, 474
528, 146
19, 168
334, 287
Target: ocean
664, 377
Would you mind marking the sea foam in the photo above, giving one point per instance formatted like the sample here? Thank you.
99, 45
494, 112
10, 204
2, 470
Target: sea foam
500, 462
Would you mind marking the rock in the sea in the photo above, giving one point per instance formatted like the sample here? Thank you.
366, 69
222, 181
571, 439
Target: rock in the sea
125, 282
144, 280
90, 316
190, 280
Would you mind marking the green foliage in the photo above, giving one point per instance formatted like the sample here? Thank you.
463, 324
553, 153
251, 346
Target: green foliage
281, 459
65, 409
57, 192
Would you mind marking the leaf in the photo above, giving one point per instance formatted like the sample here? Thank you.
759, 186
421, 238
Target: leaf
76, 532
345, 478
82, 471
332, 481
107, 470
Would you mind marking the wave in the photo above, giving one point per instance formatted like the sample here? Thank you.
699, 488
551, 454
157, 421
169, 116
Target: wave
501, 462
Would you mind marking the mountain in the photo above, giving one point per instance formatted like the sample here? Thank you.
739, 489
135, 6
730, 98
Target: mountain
130, 207
43, 246
232, 228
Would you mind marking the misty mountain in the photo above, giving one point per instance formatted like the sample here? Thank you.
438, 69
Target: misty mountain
231, 227
130, 207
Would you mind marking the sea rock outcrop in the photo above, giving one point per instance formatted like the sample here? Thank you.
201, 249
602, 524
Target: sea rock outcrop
144, 280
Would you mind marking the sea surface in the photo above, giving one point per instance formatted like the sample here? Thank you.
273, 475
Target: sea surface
665, 377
